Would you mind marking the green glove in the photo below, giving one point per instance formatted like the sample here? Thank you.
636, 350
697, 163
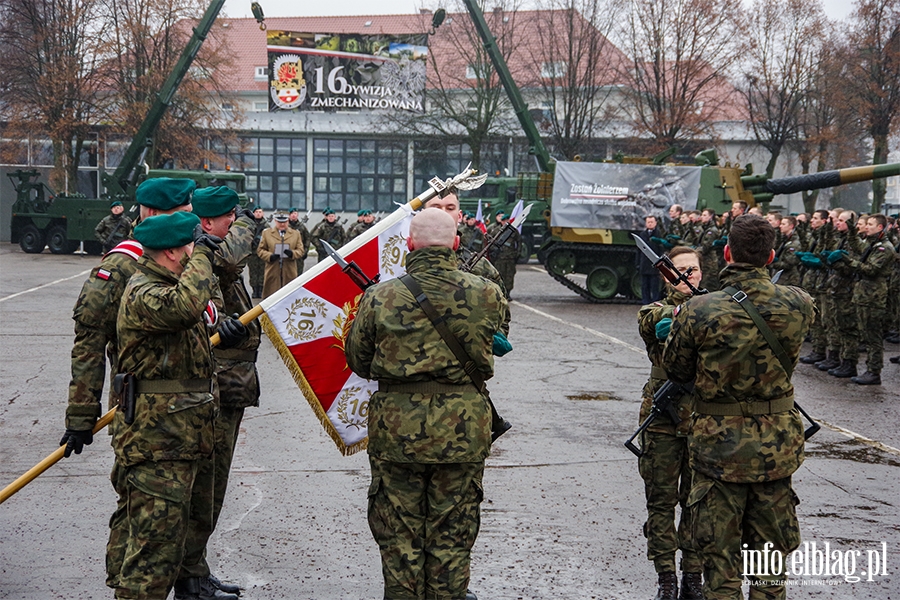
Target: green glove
721, 242
811, 261
672, 237
501, 345
836, 255
662, 242
662, 328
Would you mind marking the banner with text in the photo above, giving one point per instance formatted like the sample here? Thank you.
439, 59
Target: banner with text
317, 71
619, 196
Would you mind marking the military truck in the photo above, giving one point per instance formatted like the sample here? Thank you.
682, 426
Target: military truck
61, 222
591, 223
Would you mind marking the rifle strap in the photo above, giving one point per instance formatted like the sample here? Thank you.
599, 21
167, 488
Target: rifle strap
441, 325
743, 300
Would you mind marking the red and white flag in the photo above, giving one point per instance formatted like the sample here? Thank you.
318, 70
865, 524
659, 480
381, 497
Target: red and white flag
308, 319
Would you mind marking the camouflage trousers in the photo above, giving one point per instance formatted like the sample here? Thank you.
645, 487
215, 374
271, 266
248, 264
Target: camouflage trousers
730, 521
817, 330
425, 518
871, 327
159, 510
667, 483
257, 269
228, 423
846, 326
507, 269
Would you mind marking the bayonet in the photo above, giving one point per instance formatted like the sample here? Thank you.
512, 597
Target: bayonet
351, 269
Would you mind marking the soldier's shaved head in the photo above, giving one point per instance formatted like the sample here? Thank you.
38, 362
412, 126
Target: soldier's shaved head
432, 227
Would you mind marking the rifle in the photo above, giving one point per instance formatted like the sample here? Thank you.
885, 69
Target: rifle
499, 238
670, 391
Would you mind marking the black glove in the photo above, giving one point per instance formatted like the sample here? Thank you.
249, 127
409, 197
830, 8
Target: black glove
232, 332
201, 238
76, 440
288, 253
273, 258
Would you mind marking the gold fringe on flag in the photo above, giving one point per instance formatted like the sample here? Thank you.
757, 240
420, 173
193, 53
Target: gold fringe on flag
307, 390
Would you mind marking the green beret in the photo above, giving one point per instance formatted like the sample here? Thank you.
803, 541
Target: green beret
327, 211
214, 201
295, 209
116, 203
501, 214
167, 231
468, 215
165, 193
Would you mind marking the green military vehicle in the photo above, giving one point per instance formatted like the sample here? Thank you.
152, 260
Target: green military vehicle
61, 222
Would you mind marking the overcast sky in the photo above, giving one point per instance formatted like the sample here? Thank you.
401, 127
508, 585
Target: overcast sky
836, 9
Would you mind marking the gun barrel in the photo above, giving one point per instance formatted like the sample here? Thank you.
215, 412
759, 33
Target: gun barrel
817, 181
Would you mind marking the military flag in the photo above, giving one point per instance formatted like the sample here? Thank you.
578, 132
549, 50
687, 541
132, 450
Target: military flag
479, 219
516, 211
308, 319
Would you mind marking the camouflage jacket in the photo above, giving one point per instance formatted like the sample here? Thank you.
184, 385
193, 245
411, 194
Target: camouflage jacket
873, 273
708, 234
358, 229
95, 315
814, 279
714, 341
484, 269
236, 367
648, 316
786, 259
841, 279
162, 336
471, 238
332, 233
304, 234
112, 229
392, 341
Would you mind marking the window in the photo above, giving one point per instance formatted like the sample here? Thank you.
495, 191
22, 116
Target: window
349, 175
554, 70
227, 106
261, 73
276, 172
478, 70
261, 106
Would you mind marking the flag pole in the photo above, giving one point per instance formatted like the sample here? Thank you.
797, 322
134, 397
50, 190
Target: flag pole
437, 188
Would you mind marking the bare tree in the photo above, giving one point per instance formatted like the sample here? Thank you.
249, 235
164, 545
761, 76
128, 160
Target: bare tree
575, 66
145, 42
779, 60
873, 78
681, 51
49, 66
464, 99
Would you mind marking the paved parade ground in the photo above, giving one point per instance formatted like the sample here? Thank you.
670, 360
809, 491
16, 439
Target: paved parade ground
563, 505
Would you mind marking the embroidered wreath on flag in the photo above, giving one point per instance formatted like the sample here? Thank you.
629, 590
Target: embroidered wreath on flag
343, 405
392, 254
304, 329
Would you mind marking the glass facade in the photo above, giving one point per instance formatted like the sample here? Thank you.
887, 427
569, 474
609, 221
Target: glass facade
349, 175
276, 171
442, 159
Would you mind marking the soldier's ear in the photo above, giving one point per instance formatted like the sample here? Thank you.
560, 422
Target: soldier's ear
409, 243
456, 244
771, 257
727, 253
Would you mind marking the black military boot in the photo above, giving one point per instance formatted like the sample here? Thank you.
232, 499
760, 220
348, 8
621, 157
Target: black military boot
812, 358
200, 588
470, 595
667, 587
228, 588
895, 359
691, 586
847, 368
833, 360
867, 378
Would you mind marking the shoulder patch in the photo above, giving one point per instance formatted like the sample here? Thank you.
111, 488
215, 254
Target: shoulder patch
676, 311
103, 274
211, 315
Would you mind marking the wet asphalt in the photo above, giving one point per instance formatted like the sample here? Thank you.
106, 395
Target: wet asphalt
563, 505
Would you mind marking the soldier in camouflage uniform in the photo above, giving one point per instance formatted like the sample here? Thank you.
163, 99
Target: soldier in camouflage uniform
113, 228
873, 269
429, 427
470, 236
236, 374
295, 223
505, 256
368, 220
786, 259
664, 465
352, 230
328, 230
164, 323
256, 265
707, 246
746, 436
812, 280
95, 314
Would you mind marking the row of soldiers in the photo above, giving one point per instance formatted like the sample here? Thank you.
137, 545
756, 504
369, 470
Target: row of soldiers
503, 256
849, 263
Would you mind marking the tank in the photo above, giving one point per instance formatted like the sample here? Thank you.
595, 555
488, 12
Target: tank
596, 207
61, 222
